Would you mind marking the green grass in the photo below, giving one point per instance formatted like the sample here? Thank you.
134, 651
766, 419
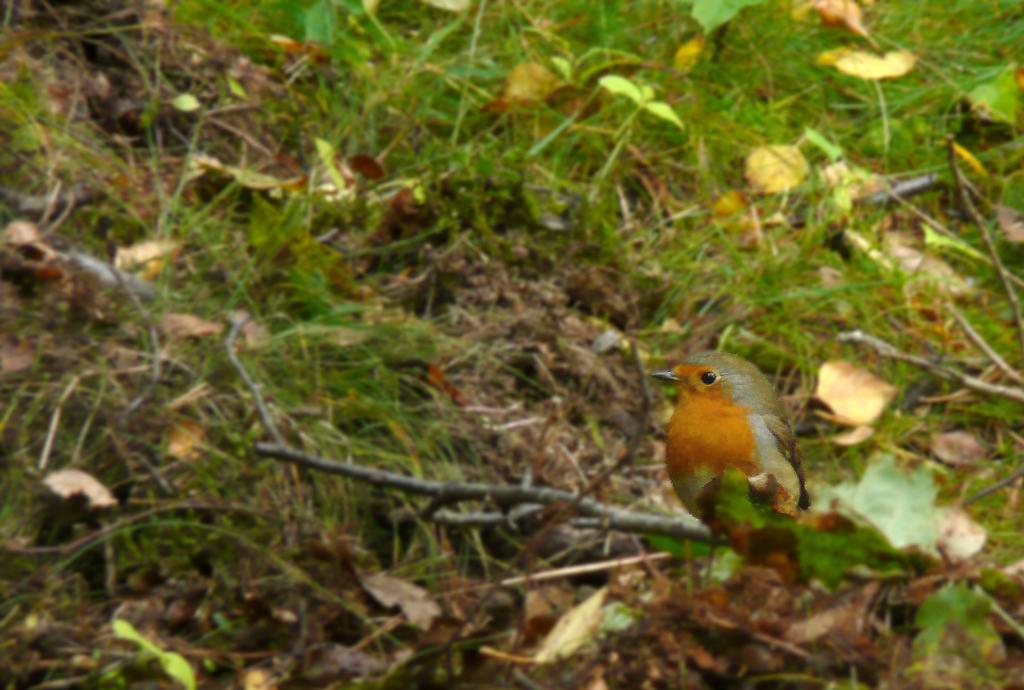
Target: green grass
413, 84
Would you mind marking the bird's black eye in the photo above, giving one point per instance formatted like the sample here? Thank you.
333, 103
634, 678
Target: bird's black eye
708, 377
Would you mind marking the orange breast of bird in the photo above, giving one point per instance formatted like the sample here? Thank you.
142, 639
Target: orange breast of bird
707, 435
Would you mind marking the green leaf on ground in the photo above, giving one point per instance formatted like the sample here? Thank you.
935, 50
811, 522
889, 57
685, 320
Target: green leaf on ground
711, 14
901, 505
997, 98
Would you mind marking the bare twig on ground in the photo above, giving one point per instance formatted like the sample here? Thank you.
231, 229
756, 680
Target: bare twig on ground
584, 569
237, 322
44, 205
975, 384
989, 490
107, 275
156, 370
983, 345
990, 244
903, 189
446, 493
503, 494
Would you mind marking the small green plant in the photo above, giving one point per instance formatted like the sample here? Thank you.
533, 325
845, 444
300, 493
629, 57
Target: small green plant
643, 98
173, 664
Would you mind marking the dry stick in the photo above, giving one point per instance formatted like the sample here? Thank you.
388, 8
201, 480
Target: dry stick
450, 492
507, 494
1001, 484
986, 234
584, 569
902, 190
983, 345
237, 322
883, 348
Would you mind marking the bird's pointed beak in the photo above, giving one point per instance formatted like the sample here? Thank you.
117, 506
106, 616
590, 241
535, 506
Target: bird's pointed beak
666, 375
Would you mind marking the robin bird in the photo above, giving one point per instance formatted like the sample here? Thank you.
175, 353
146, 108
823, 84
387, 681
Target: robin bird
728, 416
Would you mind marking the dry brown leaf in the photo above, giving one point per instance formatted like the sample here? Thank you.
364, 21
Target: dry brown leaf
901, 247
863, 65
180, 326
576, 627
540, 609
960, 537
856, 396
71, 482
416, 604
1011, 222
367, 166
529, 82
16, 354
185, 438
957, 448
854, 436
775, 169
19, 232
329, 663
845, 13
846, 618
148, 257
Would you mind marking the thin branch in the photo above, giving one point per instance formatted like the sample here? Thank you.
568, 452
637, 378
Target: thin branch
903, 189
237, 322
444, 493
38, 206
585, 568
608, 517
975, 384
983, 345
989, 490
990, 244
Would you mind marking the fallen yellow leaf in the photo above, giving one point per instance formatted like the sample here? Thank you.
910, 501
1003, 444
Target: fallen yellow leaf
967, 157
184, 439
577, 626
775, 169
688, 54
856, 396
148, 257
529, 82
869, 66
729, 204
831, 57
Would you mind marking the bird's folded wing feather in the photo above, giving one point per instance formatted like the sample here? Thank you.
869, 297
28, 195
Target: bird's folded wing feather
786, 441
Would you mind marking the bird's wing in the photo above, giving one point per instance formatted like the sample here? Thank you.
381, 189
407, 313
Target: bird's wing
786, 442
